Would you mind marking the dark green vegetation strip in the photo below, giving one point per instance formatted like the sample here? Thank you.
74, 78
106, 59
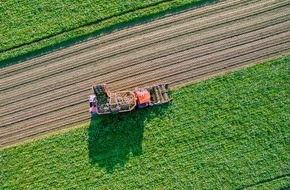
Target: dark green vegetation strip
228, 132
28, 28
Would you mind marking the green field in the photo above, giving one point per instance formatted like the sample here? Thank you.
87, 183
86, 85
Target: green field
29, 28
227, 132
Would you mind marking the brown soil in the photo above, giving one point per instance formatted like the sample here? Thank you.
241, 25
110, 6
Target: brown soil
50, 92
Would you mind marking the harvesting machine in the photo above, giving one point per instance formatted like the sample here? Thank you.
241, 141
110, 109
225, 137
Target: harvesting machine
104, 102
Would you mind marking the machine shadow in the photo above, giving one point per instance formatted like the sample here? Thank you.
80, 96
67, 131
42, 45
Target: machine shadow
112, 139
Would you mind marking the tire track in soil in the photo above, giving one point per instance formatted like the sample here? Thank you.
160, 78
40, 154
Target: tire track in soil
182, 47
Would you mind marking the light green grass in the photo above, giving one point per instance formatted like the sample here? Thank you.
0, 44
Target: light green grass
38, 25
228, 132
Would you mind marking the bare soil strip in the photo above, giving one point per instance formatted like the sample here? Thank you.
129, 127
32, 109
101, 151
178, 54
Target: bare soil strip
50, 92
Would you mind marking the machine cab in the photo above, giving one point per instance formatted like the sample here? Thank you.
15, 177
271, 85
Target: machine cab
143, 98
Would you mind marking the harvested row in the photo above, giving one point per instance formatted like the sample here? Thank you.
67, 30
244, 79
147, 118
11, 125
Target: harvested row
52, 95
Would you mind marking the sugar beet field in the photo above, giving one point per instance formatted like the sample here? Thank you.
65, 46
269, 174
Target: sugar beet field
49, 92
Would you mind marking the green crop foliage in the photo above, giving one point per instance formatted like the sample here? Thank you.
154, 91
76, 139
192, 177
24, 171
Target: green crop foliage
30, 26
227, 132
